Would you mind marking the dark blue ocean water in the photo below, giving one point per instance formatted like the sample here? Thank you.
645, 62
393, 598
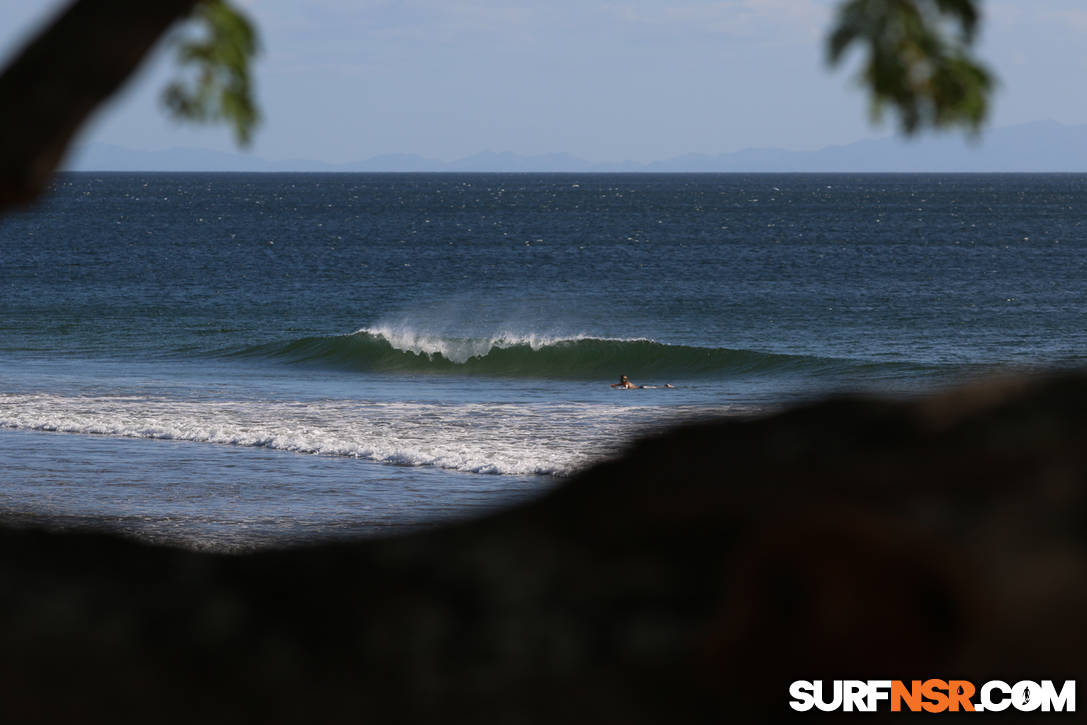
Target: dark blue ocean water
229, 360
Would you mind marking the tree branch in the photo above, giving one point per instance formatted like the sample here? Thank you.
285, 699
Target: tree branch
63, 75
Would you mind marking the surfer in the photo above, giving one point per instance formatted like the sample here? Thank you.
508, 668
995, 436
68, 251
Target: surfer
625, 384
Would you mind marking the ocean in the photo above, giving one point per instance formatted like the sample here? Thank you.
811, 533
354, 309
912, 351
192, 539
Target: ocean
235, 361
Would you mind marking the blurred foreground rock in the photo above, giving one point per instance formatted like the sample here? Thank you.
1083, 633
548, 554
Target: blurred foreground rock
689, 580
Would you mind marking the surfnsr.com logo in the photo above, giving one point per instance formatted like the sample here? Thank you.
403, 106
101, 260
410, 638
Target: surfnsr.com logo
932, 696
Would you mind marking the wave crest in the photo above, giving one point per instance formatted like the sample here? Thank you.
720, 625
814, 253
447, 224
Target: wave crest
388, 349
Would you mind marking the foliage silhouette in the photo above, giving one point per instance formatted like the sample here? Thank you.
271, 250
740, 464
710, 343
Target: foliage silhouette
918, 59
919, 62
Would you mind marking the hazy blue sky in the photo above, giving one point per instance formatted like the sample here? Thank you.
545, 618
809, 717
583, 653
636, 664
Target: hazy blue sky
343, 80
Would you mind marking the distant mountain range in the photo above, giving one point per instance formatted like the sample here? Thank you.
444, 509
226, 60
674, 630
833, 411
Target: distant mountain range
1040, 147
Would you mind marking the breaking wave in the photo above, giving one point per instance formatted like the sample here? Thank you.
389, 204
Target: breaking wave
540, 356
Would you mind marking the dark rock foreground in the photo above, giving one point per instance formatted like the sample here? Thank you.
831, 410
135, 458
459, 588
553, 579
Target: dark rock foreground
688, 581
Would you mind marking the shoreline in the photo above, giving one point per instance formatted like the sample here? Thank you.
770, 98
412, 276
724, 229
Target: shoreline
874, 536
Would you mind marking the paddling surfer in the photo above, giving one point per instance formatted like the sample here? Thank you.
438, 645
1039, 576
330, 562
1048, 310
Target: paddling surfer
625, 384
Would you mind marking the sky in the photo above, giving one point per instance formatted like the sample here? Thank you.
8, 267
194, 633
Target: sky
604, 80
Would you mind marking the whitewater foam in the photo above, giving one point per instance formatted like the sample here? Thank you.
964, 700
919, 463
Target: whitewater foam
460, 350
490, 438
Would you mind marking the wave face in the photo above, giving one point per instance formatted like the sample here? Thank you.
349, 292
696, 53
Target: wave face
386, 349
